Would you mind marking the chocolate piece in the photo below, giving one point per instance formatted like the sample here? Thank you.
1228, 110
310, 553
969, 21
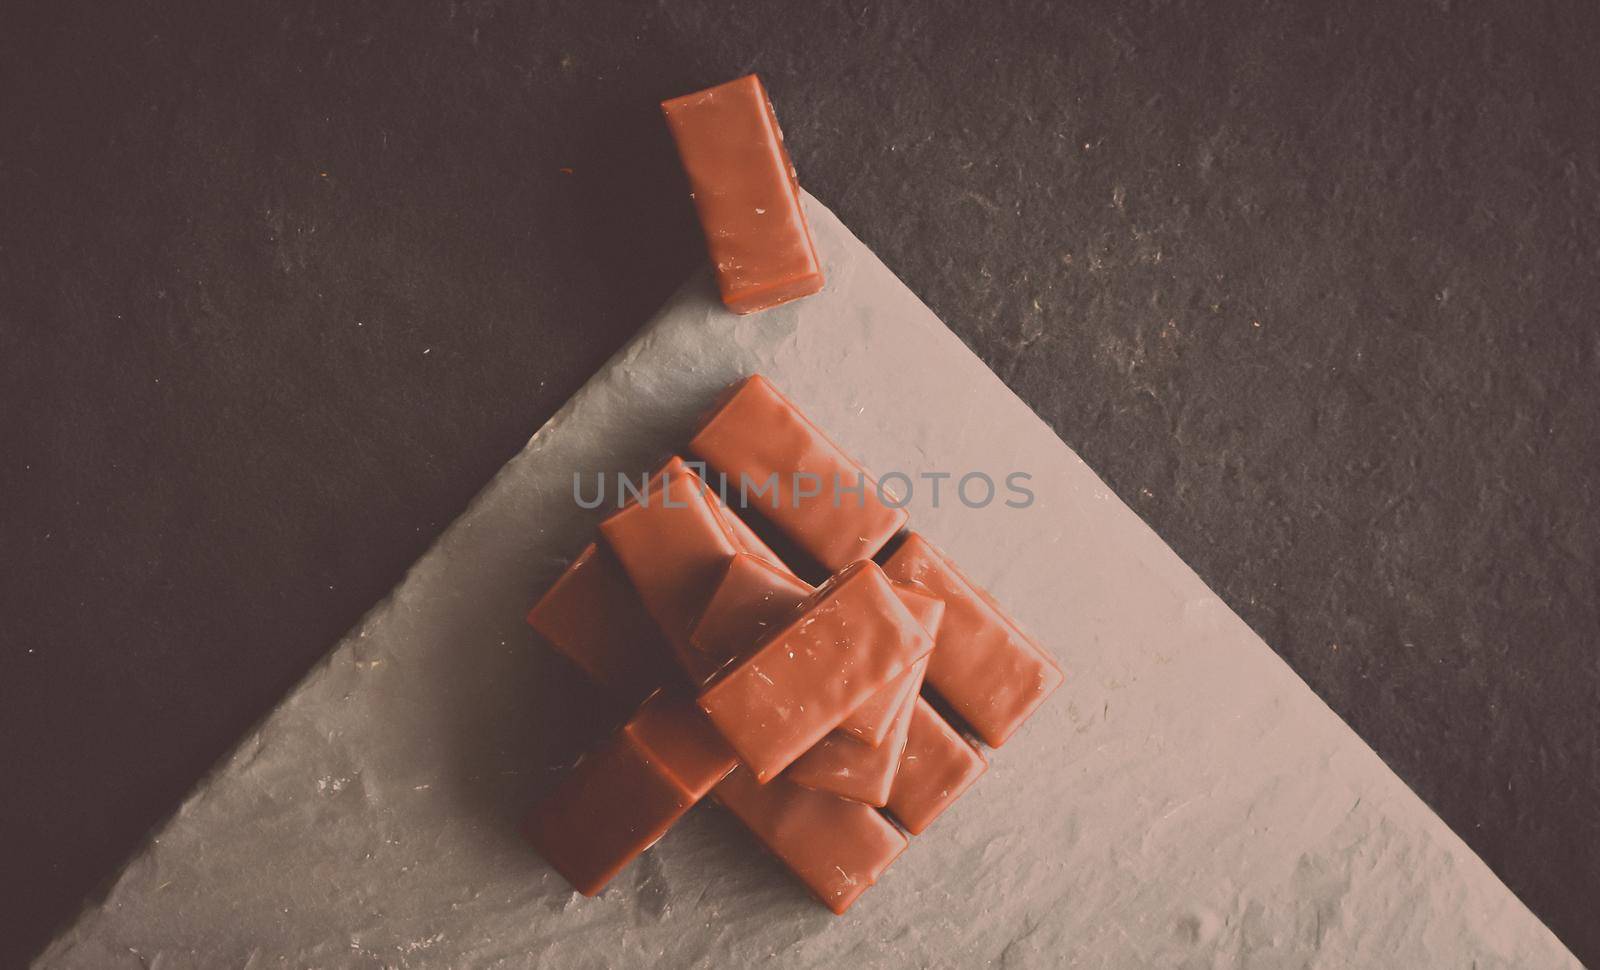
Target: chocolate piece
808, 488
753, 599
674, 545
615, 803
840, 765
926, 608
937, 767
849, 639
674, 732
858, 760
744, 188
743, 536
869, 724
837, 848
625, 794
992, 674
593, 617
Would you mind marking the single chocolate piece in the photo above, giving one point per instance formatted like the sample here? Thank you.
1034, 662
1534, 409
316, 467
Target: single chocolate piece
869, 724
993, 674
674, 732
807, 487
593, 617
746, 192
837, 848
840, 765
753, 599
674, 545
848, 640
615, 803
937, 767
625, 794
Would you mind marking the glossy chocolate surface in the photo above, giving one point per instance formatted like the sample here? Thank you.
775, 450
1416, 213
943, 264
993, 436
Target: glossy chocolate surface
937, 767
746, 193
673, 544
674, 732
757, 435
745, 536
615, 803
992, 674
627, 792
848, 640
840, 765
753, 598
869, 724
837, 848
924, 607
593, 617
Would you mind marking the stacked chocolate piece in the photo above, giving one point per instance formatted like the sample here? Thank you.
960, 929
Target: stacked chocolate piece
800, 710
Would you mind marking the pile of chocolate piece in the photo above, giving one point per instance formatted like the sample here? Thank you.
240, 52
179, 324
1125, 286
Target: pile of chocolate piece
830, 720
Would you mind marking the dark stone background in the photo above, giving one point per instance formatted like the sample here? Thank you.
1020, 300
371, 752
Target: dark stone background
281, 286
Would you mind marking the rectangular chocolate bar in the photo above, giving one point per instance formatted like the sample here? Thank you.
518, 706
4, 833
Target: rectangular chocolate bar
837, 848
753, 599
992, 674
848, 640
674, 545
870, 723
593, 617
937, 767
784, 467
614, 804
626, 793
745, 190
840, 765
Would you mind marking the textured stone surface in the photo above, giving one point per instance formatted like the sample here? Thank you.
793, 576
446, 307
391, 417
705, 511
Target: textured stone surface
1183, 800
280, 289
